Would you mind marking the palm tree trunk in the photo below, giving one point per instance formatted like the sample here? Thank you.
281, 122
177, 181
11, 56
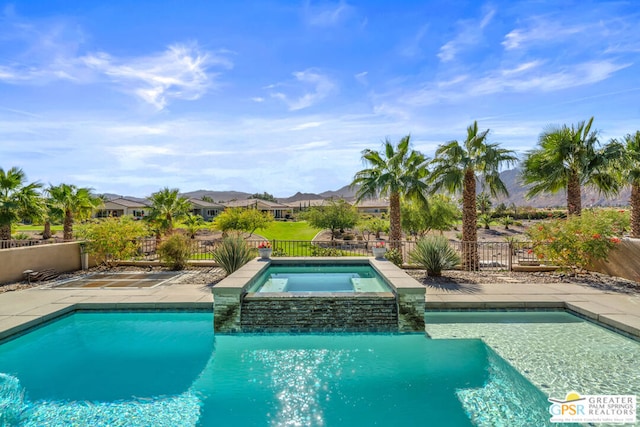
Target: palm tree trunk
68, 225
635, 210
46, 233
395, 233
574, 197
469, 222
5, 232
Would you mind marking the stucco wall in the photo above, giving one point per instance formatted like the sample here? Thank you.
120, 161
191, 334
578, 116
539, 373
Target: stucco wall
61, 257
624, 260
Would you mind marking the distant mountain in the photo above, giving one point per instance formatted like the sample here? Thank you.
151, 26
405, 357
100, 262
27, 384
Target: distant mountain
218, 196
511, 178
517, 195
345, 192
299, 197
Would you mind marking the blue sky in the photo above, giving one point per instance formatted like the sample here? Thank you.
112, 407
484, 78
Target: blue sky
282, 96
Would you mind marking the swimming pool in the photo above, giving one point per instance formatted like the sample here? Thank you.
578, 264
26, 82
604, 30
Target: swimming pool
170, 369
319, 278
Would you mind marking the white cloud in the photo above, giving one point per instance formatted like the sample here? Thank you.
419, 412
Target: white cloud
412, 46
327, 15
362, 77
316, 87
542, 31
48, 51
307, 125
469, 35
525, 77
180, 72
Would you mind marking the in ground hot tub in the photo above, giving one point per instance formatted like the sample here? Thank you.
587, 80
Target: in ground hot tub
319, 278
323, 294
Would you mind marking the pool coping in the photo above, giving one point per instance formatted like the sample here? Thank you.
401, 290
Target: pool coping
24, 309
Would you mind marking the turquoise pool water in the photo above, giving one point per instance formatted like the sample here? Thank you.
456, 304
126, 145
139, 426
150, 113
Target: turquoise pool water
168, 369
319, 278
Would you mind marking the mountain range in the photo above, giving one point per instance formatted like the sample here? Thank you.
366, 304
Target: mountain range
511, 178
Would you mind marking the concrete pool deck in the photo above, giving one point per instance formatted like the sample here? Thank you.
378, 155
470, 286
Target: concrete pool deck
615, 309
20, 310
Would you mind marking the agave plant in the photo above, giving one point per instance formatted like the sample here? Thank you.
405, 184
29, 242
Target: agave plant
232, 253
434, 254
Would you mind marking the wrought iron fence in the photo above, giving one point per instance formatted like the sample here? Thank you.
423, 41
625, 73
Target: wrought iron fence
20, 243
487, 255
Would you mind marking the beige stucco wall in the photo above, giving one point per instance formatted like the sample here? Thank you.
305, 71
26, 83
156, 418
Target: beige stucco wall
61, 257
624, 260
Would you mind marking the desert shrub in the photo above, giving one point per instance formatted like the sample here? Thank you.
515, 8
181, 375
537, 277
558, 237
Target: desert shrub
232, 253
320, 251
395, 256
175, 251
112, 239
434, 254
577, 241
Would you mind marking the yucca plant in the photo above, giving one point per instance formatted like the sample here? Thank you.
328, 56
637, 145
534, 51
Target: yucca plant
232, 253
434, 254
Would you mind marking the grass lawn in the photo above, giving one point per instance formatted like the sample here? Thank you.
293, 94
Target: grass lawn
281, 230
38, 228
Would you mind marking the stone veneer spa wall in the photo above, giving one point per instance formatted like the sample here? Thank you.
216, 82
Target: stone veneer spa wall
399, 309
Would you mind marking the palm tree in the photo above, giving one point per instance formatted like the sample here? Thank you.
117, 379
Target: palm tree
50, 213
75, 203
18, 200
629, 170
193, 223
567, 159
457, 168
483, 202
166, 207
398, 172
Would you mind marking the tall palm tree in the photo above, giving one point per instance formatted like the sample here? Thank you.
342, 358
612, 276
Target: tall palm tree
628, 167
398, 172
166, 207
75, 203
18, 199
456, 167
567, 159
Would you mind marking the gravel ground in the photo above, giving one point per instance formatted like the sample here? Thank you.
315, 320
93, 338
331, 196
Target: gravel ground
596, 280
208, 276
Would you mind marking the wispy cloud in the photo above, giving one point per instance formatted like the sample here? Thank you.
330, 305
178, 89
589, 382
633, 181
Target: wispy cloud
469, 35
316, 86
328, 14
50, 51
540, 30
180, 72
526, 77
412, 47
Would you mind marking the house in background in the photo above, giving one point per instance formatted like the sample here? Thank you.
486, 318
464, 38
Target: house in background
278, 210
303, 205
373, 206
138, 208
206, 210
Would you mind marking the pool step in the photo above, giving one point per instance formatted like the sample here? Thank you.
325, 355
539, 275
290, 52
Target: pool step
334, 312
